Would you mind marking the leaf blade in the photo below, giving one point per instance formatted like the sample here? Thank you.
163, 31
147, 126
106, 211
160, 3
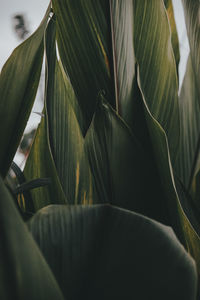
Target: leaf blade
188, 165
24, 271
108, 233
155, 58
18, 85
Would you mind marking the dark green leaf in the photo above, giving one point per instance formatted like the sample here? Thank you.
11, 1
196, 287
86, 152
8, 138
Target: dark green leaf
104, 252
95, 41
83, 42
121, 167
60, 140
180, 218
40, 164
189, 164
24, 273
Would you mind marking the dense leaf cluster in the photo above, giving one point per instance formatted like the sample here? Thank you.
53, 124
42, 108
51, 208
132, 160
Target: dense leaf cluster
114, 163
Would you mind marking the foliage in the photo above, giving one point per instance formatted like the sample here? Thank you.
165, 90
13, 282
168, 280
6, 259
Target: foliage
115, 155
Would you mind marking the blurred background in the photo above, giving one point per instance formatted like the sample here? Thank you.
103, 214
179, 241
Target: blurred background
19, 19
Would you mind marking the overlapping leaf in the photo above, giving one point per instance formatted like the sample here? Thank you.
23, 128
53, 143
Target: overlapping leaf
83, 34
190, 125
95, 41
60, 139
40, 164
101, 252
181, 216
121, 167
155, 57
174, 34
189, 99
24, 272
18, 86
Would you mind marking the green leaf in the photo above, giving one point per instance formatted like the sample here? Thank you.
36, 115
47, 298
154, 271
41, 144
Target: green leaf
95, 42
67, 142
24, 272
195, 192
121, 167
121, 22
18, 86
82, 42
174, 34
158, 77
189, 164
40, 164
181, 220
60, 138
109, 253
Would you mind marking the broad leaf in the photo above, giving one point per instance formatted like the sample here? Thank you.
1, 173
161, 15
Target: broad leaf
189, 103
24, 272
121, 22
188, 163
60, 138
155, 57
95, 42
121, 167
66, 139
18, 86
83, 32
40, 162
104, 252
67, 142
180, 216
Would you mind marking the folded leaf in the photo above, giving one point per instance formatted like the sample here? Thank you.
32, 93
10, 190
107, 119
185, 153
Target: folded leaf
24, 272
40, 164
83, 35
121, 167
104, 252
95, 42
188, 163
60, 139
158, 77
189, 103
174, 34
18, 86
180, 217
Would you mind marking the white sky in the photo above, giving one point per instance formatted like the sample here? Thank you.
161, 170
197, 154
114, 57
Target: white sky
34, 11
